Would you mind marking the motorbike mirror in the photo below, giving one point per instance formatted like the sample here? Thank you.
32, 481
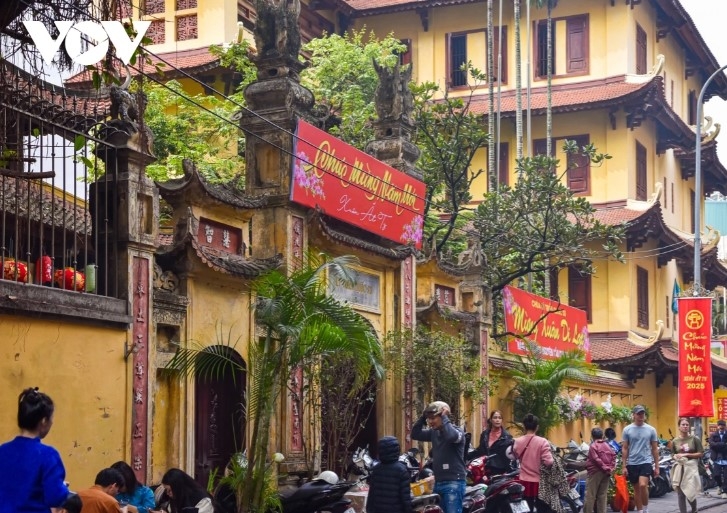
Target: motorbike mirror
580, 433
670, 433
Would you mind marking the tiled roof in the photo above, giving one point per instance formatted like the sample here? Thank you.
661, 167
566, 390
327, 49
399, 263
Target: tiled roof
196, 60
614, 348
617, 215
371, 7
572, 97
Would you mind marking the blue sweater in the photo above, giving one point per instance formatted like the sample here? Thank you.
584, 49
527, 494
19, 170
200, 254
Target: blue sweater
31, 477
142, 498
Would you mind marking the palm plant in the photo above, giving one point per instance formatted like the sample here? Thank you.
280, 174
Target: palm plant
539, 381
297, 323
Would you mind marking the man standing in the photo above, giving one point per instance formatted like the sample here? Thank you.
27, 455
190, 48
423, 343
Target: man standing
448, 454
718, 446
100, 498
640, 453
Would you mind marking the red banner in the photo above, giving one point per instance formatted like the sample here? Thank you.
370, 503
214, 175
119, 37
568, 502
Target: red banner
695, 363
554, 327
354, 187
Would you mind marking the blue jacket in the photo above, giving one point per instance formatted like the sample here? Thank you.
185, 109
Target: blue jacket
447, 447
142, 498
389, 490
31, 477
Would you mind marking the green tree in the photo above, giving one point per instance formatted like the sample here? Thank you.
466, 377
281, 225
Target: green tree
342, 77
440, 366
184, 130
297, 323
547, 227
539, 381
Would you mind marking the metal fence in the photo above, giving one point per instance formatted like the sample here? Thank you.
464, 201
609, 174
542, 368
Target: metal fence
57, 224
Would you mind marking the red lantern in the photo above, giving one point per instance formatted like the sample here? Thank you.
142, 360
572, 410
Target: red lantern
14, 270
44, 270
70, 279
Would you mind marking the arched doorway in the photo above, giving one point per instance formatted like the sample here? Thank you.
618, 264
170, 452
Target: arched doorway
219, 416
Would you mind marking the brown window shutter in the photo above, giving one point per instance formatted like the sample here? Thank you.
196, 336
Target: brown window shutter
640, 172
640, 50
579, 168
405, 56
502, 77
579, 290
503, 174
577, 44
642, 297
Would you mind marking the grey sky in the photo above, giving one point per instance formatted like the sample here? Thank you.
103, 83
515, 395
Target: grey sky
708, 16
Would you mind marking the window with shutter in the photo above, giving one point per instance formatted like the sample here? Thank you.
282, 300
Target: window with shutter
457, 57
579, 168
554, 294
540, 147
405, 56
577, 44
579, 290
496, 52
640, 172
692, 108
541, 48
642, 297
640, 50
503, 173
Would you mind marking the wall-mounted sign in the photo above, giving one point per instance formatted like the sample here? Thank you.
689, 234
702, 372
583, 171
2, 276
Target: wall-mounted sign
354, 187
364, 292
553, 327
444, 295
219, 236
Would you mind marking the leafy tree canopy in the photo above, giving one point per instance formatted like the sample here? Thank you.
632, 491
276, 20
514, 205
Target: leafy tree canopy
539, 224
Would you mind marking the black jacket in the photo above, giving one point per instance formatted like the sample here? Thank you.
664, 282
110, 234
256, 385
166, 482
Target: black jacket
447, 446
719, 448
497, 461
389, 490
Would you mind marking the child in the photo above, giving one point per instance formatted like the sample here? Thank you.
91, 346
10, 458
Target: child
599, 465
72, 504
389, 490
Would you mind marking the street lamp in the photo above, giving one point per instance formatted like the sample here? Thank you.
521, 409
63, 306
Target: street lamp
698, 186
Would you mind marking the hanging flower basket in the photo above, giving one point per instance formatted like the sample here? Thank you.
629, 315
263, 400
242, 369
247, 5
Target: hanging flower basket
70, 279
15, 271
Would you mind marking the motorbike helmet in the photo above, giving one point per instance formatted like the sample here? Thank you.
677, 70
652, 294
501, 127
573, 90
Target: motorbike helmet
328, 476
425, 473
437, 408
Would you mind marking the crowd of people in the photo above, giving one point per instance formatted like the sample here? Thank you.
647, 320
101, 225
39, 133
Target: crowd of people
33, 478
35, 482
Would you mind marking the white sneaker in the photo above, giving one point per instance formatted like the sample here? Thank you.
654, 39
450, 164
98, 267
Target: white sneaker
724, 496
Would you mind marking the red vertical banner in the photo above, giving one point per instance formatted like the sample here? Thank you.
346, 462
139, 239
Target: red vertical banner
695, 364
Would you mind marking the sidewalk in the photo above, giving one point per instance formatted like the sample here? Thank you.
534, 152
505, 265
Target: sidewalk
668, 503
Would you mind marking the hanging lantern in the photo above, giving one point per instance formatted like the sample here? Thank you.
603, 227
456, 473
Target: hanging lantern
44, 270
15, 271
70, 279
91, 278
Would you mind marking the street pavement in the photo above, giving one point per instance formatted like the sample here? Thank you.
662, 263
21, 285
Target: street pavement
668, 503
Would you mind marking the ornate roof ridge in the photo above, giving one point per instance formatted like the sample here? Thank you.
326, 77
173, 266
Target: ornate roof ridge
446, 311
175, 188
397, 253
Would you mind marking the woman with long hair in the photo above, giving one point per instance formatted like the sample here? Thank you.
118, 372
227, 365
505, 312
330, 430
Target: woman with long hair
137, 497
184, 492
687, 451
31, 473
494, 442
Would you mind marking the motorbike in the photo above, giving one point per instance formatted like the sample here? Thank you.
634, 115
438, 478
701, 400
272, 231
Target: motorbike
318, 496
709, 478
505, 494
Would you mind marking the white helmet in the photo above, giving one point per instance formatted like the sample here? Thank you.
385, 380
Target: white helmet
328, 476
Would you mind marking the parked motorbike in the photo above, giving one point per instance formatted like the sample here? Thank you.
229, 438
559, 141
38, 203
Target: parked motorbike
504, 494
709, 478
321, 495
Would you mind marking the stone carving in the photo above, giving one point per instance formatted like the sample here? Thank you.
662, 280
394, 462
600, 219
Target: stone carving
123, 106
165, 280
393, 97
276, 29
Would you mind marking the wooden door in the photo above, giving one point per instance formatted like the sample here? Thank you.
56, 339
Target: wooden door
219, 420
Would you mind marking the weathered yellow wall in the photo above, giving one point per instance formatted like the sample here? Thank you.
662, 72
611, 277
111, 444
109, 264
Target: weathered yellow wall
82, 368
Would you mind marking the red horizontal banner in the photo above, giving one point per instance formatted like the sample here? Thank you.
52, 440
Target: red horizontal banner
696, 397
354, 187
552, 326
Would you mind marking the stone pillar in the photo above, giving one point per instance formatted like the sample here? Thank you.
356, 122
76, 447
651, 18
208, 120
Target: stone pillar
392, 145
128, 212
276, 102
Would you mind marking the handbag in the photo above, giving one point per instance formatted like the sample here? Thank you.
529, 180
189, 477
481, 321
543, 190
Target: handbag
621, 496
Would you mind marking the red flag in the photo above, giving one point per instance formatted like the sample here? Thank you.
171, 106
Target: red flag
695, 364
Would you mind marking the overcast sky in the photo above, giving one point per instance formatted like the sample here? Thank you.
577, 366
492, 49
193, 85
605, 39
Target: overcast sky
711, 24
